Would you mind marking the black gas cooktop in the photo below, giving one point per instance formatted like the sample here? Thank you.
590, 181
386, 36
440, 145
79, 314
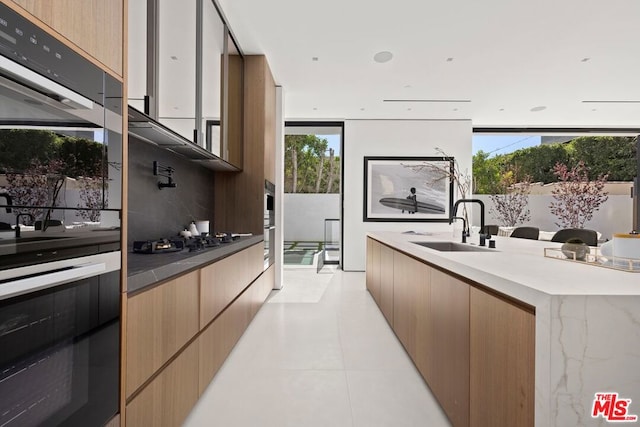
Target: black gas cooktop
177, 244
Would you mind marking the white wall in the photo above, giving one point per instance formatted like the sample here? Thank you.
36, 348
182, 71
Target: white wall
614, 216
304, 215
392, 138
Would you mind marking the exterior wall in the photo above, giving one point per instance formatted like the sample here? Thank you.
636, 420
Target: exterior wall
304, 215
614, 216
392, 138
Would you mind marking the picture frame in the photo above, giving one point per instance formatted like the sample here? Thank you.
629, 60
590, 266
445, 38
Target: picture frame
408, 189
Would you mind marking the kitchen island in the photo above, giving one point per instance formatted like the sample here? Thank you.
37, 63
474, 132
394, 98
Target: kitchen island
514, 328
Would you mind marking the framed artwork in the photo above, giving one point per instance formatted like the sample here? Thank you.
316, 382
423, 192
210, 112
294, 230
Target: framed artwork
408, 189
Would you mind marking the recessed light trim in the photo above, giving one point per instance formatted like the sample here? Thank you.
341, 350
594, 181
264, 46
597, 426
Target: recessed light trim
612, 102
428, 100
382, 57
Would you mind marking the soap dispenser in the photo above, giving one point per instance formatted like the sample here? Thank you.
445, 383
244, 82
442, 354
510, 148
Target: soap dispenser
193, 229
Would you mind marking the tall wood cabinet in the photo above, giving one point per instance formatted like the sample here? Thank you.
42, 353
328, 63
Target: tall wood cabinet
95, 26
475, 349
241, 195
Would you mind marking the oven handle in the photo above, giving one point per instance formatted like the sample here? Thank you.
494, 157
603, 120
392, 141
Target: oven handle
48, 280
66, 97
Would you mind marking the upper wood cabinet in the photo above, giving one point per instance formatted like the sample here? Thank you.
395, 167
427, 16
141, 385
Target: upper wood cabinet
95, 26
242, 194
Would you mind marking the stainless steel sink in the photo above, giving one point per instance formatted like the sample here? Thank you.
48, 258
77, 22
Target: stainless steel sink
452, 247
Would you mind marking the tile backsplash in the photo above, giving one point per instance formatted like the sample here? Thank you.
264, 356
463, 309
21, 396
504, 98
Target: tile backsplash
155, 213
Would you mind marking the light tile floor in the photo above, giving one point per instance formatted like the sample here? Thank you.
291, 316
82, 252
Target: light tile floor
318, 353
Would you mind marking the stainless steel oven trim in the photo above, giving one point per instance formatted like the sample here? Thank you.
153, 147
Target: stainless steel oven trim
33, 278
68, 98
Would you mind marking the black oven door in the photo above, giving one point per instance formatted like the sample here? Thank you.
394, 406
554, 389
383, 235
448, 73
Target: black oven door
60, 149
59, 364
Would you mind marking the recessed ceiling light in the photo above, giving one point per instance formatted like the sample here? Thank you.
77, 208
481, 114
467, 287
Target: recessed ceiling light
315, 58
585, 59
383, 56
362, 109
502, 109
450, 59
538, 108
409, 109
315, 108
175, 58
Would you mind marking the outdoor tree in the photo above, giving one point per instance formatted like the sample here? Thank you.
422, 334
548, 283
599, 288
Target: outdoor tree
38, 186
91, 197
576, 197
511, 205
486, 173
307, 167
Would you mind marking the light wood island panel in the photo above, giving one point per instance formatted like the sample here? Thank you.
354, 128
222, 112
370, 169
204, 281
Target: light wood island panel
502, 362
474, 348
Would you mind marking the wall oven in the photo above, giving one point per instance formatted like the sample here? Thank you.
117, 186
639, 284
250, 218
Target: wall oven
60, 149
60, 210
60, 341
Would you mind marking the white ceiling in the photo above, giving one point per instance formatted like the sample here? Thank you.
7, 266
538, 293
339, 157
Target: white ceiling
509, 56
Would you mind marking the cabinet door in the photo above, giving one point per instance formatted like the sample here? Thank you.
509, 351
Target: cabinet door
373, 269
217, 340
213, 40
502, 379
386, 282
95, 26
159, 322
220, 283
167, 400
177, 66
448, 374
411, 306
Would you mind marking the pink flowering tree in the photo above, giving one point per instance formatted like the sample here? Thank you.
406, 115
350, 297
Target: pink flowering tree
576, 197
512, 207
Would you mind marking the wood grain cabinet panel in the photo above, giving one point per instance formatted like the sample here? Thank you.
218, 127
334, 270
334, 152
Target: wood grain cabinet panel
220, 283
217, 340
95, 26
502, 369
386, 282
167, 400
411, 293
373, 269
448, 375
160, 321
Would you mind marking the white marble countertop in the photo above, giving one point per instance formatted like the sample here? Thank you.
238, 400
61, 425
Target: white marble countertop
518, 267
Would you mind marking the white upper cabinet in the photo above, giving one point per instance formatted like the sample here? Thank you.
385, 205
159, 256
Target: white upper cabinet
213, 44
177, 66
137, 54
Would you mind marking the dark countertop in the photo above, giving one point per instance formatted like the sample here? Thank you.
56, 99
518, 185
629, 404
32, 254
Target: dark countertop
147, 269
